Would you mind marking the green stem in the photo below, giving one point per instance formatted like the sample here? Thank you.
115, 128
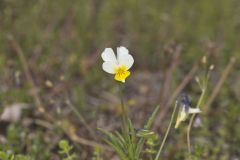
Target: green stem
166, 134
204, 88
192, 118
124, 111
151, 156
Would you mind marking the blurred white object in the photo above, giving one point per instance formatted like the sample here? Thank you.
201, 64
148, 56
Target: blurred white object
198, 122
13, 112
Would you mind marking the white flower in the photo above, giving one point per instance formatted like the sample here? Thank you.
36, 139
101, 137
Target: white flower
185, 110
183, 114
119, 65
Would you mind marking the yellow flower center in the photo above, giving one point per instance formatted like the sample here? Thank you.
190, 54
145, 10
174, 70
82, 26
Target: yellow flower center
121, 73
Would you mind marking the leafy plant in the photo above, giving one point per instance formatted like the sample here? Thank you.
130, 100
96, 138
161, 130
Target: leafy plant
97, 154
65, 150
8, 156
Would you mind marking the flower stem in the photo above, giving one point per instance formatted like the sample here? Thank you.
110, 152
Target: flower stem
200, 101
124, 111
192, 118
167, 132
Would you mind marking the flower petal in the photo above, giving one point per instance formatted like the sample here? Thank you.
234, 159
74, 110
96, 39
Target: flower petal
109, 56
124, 58
182, 116
194, 110
109, 67
122, 50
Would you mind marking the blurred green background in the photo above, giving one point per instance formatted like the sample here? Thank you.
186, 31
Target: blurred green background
62, 42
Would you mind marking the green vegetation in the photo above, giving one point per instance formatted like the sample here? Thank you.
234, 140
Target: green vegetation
60, 44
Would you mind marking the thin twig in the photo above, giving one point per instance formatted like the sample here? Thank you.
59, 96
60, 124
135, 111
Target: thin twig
184, 82
81, 118
167, 133
37, 100
26, 70
86, 142
220, 82
169, 74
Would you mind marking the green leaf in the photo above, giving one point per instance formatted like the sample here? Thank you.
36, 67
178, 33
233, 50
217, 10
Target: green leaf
147, 126
64, 144
4, 156
22, 157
